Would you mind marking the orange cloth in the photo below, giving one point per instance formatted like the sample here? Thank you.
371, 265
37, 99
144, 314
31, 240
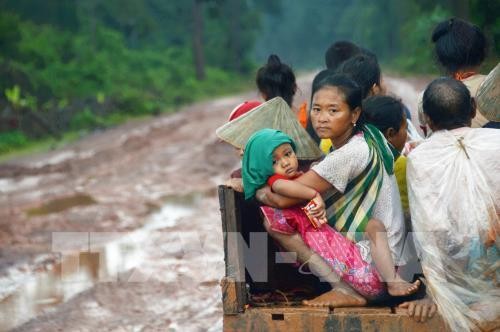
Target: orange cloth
302, 114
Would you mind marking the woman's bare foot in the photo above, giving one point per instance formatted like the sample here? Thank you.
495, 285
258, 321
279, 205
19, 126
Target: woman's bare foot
400, 287
337, 298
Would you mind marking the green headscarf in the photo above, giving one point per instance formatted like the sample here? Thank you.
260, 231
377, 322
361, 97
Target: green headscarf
257, 165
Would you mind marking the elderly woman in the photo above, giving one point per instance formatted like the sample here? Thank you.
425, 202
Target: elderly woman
454, 194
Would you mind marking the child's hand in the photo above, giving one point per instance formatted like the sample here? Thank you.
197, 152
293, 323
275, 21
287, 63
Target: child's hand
235, 183
319, 210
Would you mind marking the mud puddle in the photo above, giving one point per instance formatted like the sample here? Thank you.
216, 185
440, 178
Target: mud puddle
61, 204
88, 258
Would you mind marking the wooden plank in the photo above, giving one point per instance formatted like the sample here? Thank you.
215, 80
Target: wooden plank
362, 310
229, 296
289, 319
234, 289
279, 319
436, 323
289, 310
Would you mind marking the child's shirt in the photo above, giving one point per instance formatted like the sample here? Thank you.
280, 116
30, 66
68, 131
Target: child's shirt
272, 179
400, 173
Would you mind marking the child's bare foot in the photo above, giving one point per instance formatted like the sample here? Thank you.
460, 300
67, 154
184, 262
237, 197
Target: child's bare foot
337, 298
400, 287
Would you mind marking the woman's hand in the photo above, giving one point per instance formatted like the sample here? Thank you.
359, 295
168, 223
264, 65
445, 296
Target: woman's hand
262, 195
420, 310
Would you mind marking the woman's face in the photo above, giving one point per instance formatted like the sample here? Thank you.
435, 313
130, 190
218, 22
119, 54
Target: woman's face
331, 116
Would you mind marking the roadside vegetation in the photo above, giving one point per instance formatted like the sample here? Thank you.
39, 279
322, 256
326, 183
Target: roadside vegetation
71, 67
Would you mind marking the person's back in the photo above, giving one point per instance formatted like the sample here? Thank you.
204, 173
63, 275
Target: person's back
454, 193
276, 79
460, 49
339, 52
365, 71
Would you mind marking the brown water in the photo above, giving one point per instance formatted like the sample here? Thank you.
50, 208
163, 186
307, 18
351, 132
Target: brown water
61, 204
150, 254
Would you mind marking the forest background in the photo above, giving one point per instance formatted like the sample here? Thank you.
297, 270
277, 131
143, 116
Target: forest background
71, 67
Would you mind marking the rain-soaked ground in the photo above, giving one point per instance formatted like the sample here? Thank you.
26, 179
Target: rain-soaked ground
120, 231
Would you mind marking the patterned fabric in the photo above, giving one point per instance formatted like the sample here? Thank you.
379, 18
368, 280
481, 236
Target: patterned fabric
342, 255
350, 211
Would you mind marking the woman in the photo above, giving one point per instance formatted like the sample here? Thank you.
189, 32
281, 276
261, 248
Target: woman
356, 182
460, 48
277, 79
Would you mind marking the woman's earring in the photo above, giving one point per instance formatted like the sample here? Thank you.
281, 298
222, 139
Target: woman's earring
354, 124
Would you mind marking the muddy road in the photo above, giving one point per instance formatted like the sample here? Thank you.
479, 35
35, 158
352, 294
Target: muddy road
120, 231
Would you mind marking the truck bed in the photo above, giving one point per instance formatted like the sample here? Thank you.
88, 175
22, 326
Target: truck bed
240, 315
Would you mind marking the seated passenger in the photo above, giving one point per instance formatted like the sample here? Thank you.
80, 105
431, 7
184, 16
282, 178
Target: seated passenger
454, 195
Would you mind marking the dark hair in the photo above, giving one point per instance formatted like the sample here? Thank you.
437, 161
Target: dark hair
459, 44
351, 91
321, 76
383, 112
447, 102
339, 52
276, 79
364, 70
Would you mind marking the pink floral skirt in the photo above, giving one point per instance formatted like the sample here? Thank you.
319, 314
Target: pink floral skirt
341, 254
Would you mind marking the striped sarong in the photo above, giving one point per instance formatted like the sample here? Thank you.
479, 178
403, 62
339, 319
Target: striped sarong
350, 211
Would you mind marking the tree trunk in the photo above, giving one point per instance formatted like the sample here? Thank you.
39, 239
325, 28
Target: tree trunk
198, 54
235, 34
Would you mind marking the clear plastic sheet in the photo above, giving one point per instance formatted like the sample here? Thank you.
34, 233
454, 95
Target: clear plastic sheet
454, 192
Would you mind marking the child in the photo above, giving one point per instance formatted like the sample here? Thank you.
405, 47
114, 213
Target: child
387, 114
269, 157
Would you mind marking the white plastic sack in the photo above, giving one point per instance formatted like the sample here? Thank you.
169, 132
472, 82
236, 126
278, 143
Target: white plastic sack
454, 193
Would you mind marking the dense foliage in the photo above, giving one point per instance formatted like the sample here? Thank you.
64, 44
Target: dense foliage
75, 65
397, 31
71, 65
